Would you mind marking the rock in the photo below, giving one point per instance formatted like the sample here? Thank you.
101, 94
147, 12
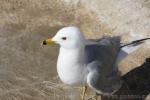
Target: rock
25, 23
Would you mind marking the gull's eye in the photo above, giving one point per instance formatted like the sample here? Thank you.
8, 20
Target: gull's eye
63, 38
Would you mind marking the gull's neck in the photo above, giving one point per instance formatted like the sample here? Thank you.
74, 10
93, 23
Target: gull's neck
72, 56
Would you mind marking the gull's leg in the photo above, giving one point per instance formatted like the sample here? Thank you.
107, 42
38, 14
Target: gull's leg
83, 92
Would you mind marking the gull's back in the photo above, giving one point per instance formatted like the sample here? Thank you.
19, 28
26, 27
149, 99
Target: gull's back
101, 60
105, 52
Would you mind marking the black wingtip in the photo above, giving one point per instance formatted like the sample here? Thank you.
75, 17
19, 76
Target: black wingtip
44, 42
136, 42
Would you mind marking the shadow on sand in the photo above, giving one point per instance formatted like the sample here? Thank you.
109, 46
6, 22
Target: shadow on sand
136, 84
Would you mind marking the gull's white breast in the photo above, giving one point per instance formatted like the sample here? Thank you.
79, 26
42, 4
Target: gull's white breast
70, 68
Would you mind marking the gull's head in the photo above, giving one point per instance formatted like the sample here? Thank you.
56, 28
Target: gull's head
67, 37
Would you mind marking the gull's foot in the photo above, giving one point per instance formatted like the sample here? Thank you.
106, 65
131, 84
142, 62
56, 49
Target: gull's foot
95, 97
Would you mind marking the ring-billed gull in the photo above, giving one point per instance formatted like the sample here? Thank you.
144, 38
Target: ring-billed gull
84, 62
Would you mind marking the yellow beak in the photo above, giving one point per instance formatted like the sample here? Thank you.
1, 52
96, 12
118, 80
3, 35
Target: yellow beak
48, 41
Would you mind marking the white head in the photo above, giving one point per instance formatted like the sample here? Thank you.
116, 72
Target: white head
69, 37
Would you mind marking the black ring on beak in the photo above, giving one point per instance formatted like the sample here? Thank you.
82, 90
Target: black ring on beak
44, 42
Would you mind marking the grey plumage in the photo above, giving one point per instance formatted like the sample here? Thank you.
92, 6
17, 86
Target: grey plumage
101, 58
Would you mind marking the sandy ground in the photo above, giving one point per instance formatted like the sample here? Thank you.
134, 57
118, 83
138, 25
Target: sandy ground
28, 70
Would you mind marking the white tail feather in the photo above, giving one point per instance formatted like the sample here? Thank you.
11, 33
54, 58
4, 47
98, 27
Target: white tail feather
125, 51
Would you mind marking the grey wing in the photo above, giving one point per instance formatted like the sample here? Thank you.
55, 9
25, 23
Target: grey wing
104, 50
101, 58
100, 83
